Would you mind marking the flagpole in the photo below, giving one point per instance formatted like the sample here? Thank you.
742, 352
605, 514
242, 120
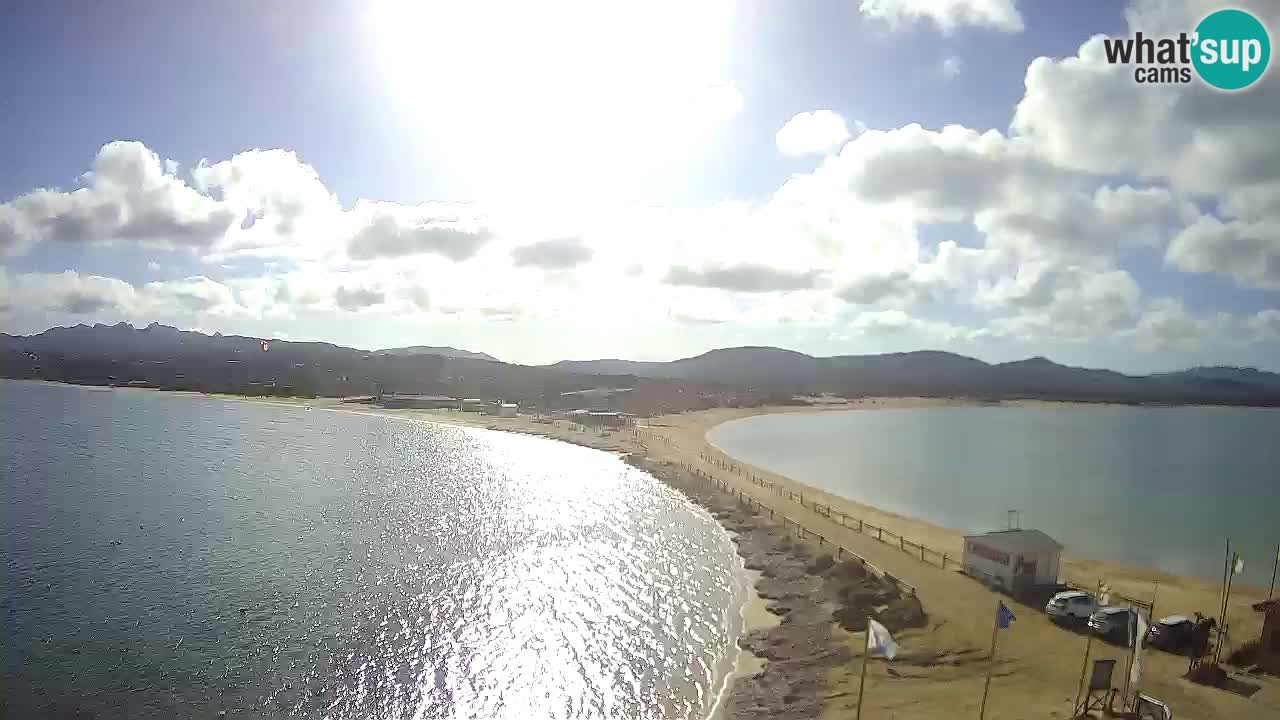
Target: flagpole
1226, 602
862, 681
991, 661
1088, 647
1222, 606
1128, 660
1271, 593
1226, 572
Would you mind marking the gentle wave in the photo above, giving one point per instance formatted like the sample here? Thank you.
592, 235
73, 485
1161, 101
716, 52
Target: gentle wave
290, 564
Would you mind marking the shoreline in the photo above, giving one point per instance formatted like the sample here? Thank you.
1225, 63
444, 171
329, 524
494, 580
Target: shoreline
1038, 666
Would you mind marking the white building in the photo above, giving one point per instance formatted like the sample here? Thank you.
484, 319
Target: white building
1013, 559
508, 410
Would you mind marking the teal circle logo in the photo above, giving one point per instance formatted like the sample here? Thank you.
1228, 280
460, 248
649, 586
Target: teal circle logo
1232, 49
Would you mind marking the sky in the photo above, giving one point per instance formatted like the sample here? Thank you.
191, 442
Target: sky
576, 179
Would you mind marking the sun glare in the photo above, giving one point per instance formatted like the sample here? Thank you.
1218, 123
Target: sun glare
566, 96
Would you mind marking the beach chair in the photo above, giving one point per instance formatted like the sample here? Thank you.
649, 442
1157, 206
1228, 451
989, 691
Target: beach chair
1100, 694
1148, 708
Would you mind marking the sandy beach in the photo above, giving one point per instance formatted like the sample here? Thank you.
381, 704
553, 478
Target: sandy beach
1038, 664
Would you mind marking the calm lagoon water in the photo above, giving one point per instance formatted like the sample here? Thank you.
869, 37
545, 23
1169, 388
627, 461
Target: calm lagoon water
174, 556
1155, 487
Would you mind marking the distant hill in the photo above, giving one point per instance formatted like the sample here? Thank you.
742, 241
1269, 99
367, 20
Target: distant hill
166, 357
448, 352
934, 373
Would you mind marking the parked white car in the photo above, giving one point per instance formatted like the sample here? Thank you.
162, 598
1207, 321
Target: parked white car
1072, 605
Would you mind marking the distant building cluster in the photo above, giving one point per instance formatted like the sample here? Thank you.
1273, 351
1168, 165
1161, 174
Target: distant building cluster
597, 413
414, 401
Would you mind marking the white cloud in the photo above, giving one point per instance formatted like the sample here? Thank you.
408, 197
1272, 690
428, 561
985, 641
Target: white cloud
945, 175
950, 67
1248, 252
1166, 326
1087, 115
1265, 324
742, 278
277, 199
879, 322
1063, 303
358, 298
812, 133
196, 295
69, 292
948, 15
388, 230
895, 322
127, 196
553, 254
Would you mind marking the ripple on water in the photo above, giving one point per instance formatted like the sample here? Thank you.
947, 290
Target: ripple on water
390, 569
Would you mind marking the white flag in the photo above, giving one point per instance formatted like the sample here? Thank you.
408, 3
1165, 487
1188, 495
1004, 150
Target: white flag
1139, 635
879, 641
1239, 566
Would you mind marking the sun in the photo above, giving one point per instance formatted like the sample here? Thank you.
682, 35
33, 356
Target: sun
570, 96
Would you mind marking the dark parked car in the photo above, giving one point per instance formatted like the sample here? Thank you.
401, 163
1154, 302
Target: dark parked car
1172, 634
1113, 623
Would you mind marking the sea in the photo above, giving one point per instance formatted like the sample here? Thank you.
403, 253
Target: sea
169, 555
1153, 487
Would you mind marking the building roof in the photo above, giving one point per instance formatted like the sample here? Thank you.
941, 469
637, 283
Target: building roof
418, 396
1267, 605
1018, 540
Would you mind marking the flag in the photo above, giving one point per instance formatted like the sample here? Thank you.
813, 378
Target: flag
879, 641
1139, 635
1238, 566
1004, 616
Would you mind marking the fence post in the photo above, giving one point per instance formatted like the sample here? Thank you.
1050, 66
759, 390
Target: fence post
944, 561
880, 534
859, 526
902, 543
921, 553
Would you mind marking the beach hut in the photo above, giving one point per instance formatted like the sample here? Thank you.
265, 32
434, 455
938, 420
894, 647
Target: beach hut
1016, 560
508, 410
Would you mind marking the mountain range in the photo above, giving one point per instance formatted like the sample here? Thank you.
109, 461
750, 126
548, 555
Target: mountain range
443, 351
168, 357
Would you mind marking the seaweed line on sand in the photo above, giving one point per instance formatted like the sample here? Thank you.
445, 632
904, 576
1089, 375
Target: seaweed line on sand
814, 596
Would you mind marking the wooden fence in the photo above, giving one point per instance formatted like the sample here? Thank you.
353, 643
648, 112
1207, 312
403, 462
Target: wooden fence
925, 553
789, 524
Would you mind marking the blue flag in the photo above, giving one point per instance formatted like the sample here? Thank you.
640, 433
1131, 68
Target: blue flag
1004, 616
